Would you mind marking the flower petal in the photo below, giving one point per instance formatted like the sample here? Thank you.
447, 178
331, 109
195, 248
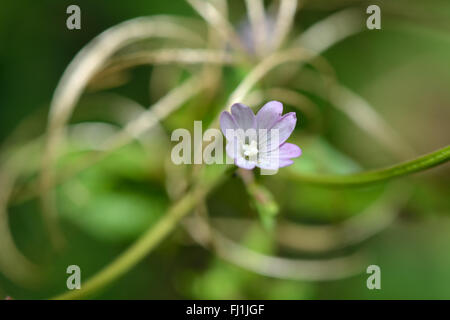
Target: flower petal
285, 162
243, 163
244, 116
227, 122
233, 148
267, 164
270, 140
289, 151
269, 160
269, 114
279, 158
285, 126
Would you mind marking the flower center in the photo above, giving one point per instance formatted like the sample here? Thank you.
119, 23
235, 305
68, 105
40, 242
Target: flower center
251, 149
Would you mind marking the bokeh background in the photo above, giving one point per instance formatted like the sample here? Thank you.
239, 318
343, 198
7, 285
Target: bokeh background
402, 72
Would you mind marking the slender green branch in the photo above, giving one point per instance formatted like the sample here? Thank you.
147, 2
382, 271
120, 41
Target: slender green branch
421, 163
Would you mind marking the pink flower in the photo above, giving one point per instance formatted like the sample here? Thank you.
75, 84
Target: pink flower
259, 140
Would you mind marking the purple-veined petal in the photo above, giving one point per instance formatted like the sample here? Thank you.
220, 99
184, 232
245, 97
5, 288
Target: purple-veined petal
285, 126
279, 157
269, 160
289, 151
244, 116
227, 122
269, 114
270, 140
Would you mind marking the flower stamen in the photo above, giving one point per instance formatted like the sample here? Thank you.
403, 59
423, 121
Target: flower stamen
250, 150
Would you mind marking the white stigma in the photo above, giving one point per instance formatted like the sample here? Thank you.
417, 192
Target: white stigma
251, 149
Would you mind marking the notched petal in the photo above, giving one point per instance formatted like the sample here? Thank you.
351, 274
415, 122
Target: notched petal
244, 116
269, 114
285, 126
227, 122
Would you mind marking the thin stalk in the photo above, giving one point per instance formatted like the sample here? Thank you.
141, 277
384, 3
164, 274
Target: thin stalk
257, 17
214, 18
419, 164
183, 56
285, 19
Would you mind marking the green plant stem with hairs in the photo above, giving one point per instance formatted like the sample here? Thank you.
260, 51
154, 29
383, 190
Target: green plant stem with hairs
187, 203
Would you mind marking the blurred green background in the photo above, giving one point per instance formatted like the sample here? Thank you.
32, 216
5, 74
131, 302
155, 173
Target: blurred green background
403, 71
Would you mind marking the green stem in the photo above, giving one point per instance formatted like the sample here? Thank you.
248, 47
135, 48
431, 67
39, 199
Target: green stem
421, 163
